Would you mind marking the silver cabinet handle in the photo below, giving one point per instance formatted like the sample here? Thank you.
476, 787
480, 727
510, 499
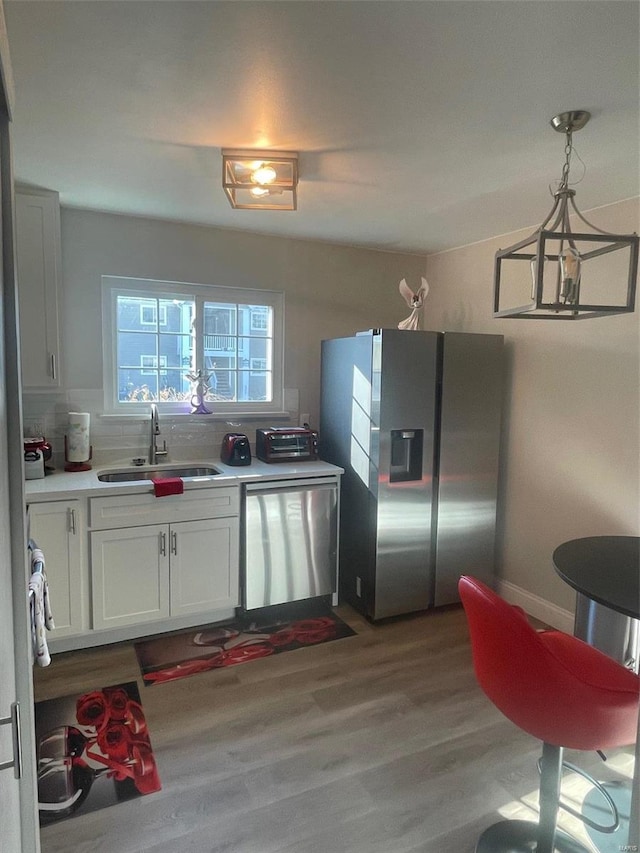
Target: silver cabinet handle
174, 542
53, 365
163, 544
72, 522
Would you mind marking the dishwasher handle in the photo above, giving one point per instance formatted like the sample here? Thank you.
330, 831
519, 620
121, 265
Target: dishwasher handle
291, 486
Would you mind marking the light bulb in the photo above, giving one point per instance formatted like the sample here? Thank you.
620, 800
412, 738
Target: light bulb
534, 276
259, 192
570, 263
265, 174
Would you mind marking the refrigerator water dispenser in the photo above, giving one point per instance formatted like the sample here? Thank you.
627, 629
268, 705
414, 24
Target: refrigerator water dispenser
406, 455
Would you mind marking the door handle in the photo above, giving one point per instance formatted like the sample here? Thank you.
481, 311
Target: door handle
72, 521
53, 365
14, 721
174, 542
163, 544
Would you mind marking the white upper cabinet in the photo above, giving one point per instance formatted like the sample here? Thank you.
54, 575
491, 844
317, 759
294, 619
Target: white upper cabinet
39, 284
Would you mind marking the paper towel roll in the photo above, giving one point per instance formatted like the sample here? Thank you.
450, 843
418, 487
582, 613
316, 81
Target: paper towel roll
78, 446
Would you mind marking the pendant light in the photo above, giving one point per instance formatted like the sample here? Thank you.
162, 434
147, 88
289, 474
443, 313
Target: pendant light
560, 274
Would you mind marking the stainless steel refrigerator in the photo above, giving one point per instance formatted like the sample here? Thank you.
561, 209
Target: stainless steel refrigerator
414, 419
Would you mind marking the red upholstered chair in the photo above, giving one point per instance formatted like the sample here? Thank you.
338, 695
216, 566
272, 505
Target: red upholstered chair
555, 687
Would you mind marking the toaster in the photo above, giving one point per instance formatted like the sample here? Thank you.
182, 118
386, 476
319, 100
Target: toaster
235, 449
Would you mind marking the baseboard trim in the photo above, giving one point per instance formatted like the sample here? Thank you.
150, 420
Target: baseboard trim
536, 606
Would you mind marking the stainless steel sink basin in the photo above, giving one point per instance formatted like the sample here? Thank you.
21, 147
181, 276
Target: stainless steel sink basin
133, 474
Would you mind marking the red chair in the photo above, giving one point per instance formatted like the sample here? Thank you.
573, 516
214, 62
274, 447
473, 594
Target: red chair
555, 687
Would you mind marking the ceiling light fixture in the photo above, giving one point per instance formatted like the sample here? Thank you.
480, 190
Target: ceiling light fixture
260, 180
567, 275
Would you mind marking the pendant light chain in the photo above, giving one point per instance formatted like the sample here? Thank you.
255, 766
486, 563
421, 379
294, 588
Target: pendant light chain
568, 150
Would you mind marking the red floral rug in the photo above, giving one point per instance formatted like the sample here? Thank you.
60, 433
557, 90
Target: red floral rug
93, 750
175, 656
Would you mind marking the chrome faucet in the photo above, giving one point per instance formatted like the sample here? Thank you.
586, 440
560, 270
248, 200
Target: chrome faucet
154, 453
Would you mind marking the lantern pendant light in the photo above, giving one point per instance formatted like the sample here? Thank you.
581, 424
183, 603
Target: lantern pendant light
559, 274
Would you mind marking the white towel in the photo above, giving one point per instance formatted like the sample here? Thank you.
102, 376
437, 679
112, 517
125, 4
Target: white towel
40, 608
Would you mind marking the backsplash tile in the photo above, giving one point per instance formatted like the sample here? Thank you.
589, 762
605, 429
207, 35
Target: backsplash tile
116, 440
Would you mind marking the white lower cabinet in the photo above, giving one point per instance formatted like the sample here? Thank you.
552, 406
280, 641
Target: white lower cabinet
204, 565
129, 576
154, 572
57, 528
118, 563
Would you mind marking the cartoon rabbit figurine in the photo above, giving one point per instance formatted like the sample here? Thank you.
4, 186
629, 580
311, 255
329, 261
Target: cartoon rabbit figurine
415, 301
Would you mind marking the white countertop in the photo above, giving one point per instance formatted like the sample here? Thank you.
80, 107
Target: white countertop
60, 485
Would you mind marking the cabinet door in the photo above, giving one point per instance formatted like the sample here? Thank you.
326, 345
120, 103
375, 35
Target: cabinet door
130, 575
38, 271
204, 565
58, 530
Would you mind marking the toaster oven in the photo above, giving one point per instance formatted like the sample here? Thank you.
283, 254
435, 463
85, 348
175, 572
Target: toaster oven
286, 444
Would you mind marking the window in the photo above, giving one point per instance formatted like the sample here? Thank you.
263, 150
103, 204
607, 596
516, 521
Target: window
156, 333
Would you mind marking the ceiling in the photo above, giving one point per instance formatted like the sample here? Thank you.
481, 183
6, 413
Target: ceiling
421, 126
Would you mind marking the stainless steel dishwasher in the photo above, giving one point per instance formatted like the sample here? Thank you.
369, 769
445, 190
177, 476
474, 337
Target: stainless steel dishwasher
290, 541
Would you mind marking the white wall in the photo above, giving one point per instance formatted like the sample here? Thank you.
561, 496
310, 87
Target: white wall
330, 291
570, 463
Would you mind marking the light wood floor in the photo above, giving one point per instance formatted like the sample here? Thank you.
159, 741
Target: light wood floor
377, 743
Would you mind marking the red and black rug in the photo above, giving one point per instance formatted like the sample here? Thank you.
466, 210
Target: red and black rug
93, 750
197, 650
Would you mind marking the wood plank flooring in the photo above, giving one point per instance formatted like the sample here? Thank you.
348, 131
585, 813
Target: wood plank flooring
377, 743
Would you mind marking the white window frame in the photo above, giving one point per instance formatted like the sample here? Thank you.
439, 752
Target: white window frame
112, 286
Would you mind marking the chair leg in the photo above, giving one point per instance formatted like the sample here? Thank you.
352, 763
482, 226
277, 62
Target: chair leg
549, 796
520, 836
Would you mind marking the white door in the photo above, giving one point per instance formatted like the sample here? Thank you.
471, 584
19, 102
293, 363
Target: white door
19, 825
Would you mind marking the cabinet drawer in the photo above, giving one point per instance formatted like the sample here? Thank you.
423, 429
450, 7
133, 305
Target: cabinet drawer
134, 510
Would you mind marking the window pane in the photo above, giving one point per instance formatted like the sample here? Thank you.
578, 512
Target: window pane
174, 386
177, 351
134, 387
151, 361
238, 351
257, 348
226, 385
135, 349
220, 318
222, 385
256, 320
254, 385
176, 315
137, 313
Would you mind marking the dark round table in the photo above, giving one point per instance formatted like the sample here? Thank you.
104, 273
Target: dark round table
604, 568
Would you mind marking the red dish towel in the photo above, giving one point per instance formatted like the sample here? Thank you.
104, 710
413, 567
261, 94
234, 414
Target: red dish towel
164, 486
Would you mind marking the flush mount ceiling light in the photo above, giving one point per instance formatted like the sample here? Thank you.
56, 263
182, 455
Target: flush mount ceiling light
559, 274
260, 180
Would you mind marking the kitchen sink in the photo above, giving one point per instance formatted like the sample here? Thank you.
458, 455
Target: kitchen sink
134, 474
